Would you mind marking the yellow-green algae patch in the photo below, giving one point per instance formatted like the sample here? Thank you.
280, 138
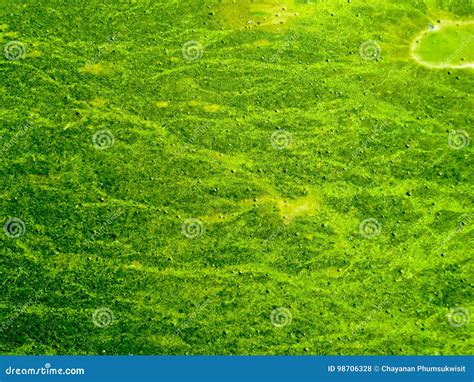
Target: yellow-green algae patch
446, 45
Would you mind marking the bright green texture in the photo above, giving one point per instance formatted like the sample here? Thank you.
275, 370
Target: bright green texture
193, 140
450, 45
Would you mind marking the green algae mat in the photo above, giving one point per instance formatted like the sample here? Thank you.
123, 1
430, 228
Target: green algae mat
236, 177
448, 45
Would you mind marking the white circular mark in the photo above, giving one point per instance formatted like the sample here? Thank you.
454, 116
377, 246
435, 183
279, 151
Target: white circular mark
281, 139
14, 228
370, 50
192, 228
103, 317
458, 317
280, 317
192, 50
370, 228
458, 139
14, 50
103, 139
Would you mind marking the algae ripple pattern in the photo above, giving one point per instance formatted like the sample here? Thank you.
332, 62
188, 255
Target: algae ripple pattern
234, 177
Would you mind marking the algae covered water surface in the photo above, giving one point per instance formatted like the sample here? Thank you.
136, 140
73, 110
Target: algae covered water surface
236, 177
